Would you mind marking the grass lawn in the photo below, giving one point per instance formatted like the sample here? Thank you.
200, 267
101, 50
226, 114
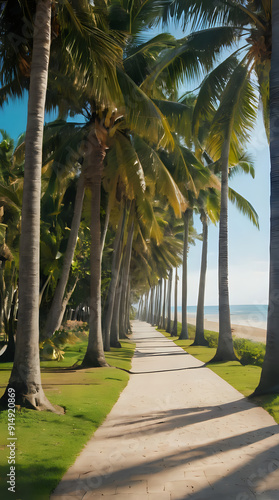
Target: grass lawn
47, 444
243, 378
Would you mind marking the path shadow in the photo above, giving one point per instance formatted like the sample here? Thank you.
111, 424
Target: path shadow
240, 482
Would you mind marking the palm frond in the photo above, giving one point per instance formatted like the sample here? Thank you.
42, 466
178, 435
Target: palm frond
236, 113
210, 91
143, 116
161, 178
244, 207
193, 56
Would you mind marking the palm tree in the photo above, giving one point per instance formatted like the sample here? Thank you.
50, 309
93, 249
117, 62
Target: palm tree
269, 382
254, 21
199, 336
235, 115
25, 378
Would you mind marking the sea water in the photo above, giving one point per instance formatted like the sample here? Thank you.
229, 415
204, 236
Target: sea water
247, 315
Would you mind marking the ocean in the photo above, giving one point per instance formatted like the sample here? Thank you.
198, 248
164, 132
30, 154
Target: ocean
247, 315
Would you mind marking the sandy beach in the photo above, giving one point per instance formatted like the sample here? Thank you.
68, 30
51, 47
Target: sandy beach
241, 331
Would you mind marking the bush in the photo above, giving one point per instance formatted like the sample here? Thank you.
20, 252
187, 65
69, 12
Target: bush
212, 338
249, 352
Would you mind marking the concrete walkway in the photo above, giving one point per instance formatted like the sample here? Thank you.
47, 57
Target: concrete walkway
178, 431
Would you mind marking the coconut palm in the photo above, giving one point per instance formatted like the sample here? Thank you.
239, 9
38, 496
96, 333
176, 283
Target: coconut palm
255, 21
25, 377
269, 382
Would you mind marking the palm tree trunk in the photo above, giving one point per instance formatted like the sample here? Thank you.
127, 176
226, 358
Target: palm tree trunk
155, 307
199, 337
53, 321
160, 302
269, 382
164, 305
174, 326
149, 306
126, 271
25, 378
168, 329
127, 308
225, 351
114, 331
116, 262
184, 330
65, 302
105, 230
93, 168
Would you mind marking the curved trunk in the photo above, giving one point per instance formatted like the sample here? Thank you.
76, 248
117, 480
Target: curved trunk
199, 336
65, 303
25, 378
105, 230
269, 382
174, 326
184, 330
93, 168
56, 312
225, 351
168, 329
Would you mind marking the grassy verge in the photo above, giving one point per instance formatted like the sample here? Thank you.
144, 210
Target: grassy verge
47, 444
243, 378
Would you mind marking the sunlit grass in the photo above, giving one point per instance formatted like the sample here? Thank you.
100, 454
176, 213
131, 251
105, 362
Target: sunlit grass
243, 378
47, 444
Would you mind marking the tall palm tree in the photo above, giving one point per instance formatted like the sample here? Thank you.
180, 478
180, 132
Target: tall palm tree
269, 382
25, 378
255, 21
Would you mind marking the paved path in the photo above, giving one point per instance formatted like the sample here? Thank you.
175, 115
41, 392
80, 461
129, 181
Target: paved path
178, 431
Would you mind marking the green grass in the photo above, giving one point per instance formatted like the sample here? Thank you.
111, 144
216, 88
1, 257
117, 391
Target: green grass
243, 378
47, 444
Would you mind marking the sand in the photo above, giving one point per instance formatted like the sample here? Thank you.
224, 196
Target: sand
240, 331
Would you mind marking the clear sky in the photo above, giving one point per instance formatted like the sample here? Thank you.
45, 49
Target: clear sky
248, 246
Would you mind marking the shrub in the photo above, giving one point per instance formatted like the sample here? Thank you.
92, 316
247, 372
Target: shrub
212, 338
249, 352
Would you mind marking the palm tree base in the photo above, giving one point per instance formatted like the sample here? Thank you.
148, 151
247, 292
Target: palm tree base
269, 384
223, 358
30, 399
201, 342
115, 344
183, 335
124, 337
91, 361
